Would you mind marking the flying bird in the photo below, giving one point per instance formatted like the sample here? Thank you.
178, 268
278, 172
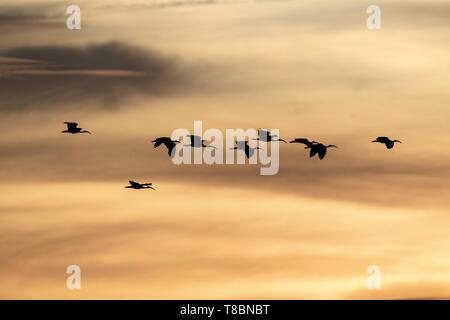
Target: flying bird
267, 136
197, 142
386, 141
168, 142
243, 145
72, 127
137, 185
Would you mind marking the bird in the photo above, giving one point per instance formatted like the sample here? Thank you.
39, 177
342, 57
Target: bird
197, 142
243, 145
168, 142
267, 136
137, 185
386, 141
72, 127
320, 149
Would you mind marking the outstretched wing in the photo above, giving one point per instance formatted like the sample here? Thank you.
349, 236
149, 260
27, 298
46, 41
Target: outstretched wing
263, 134
134, 184
170, 147
196, 141
389, 144
241, 145
159, 141
383, 139
302, 140
313, 152
322, 151
71, 125
249, 152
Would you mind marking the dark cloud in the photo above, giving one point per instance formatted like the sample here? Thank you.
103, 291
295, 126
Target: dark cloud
65, 75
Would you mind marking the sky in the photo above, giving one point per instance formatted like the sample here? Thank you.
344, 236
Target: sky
138, 70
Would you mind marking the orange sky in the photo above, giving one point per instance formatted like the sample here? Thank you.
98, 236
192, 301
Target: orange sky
309, 68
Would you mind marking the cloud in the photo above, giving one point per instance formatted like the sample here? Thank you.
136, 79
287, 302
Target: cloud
402, 180
235, 236
32, 78
150, 5
43, 15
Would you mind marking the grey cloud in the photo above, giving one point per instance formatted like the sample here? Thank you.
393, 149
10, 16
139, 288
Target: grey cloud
107, 73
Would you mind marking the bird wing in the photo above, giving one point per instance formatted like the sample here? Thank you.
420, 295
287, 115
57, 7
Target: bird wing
71, 125
196, 141
263, 134
383, 139
313, 152
241, 144
389, 144
322, 151
302, 140
161, 140
157, 142
134, 183
170, 146
249, 152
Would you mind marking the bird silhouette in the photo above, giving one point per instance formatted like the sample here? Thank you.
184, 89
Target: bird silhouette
320, 149
197, 142
243, 145
137, 185
386, 141
267, 136
72, 127
168, 142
